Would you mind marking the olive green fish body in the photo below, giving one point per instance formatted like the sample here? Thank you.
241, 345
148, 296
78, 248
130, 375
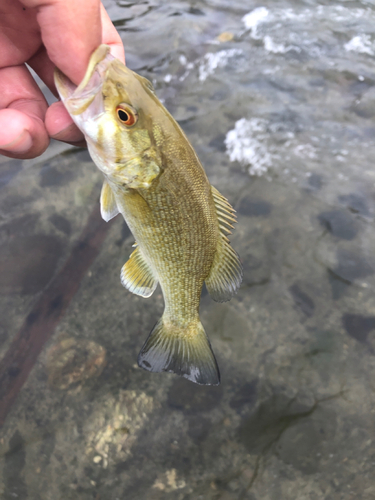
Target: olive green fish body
169, 244
155, 180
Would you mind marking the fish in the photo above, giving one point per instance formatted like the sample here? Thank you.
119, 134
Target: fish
153, 177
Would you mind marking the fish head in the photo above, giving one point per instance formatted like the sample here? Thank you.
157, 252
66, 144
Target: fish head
115, 109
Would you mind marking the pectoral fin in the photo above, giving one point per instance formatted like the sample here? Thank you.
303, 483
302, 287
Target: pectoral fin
108, 205
226, 272
137, 276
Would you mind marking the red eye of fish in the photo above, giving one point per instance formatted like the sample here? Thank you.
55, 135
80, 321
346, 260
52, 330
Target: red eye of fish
126, 115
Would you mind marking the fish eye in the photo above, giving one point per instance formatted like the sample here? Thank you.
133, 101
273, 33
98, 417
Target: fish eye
127, 115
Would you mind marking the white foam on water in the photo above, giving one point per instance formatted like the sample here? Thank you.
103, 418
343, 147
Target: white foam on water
361, 44
246, 144
279, 29
305, 151
212, 61
183, 60
260, 15
189, 66
276, 48
254, 18
340, 13
268, 25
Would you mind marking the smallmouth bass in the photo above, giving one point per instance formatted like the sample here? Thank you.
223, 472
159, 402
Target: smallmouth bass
153, 177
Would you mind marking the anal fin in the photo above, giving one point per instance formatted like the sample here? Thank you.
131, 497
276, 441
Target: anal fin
137, 276
226, 272
108, 205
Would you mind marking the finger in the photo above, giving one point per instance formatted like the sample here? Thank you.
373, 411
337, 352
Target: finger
58, 123
22, 136
111, 37
60, 126
71, 30
44, 67
22, 111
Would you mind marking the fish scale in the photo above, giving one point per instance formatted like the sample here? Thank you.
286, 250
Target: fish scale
169, 257
153, 177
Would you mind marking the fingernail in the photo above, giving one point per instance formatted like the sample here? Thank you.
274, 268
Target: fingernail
21, 145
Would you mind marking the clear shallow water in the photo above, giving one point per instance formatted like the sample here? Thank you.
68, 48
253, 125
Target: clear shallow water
278, 100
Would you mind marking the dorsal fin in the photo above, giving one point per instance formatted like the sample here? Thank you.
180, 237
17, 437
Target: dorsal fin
108, 205
224, 211
137, 276
226, 272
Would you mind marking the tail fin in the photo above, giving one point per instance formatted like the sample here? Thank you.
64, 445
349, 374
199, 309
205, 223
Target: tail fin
185, 352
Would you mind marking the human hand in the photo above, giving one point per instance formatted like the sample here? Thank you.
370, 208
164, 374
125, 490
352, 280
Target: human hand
45, 34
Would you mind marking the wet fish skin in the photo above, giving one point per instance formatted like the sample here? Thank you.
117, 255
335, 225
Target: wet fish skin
153, 177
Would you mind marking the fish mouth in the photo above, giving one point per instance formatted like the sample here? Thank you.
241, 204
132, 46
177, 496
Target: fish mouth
78, 98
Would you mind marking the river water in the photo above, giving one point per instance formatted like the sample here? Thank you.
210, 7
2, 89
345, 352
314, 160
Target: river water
278, 99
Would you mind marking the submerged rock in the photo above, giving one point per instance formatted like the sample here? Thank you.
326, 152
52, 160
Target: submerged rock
72, 361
